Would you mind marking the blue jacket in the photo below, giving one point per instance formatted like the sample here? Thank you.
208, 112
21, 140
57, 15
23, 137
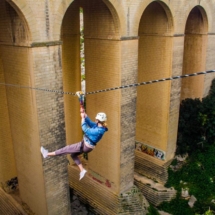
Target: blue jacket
93, 133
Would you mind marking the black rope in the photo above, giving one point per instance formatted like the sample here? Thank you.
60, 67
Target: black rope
113, 88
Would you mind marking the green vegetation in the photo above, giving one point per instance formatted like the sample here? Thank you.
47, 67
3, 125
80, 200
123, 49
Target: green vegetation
82, 77
152, 211
198, 175
196, 123
196, 137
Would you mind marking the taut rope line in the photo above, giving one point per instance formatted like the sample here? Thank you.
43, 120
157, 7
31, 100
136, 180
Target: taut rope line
114, 88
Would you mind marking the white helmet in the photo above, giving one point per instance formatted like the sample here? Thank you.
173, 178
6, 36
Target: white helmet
101, 117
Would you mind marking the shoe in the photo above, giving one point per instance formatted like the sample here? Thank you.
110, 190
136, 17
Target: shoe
44, 152
82, 173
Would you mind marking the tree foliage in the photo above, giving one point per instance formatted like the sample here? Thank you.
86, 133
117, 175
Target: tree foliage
196, 123
196, 136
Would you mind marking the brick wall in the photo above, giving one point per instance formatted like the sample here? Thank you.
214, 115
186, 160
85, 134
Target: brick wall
51, 124
129, 55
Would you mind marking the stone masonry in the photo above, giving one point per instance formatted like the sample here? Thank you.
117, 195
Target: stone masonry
125, 42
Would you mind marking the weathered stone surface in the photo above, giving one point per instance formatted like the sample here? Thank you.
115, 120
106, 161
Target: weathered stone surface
125, 42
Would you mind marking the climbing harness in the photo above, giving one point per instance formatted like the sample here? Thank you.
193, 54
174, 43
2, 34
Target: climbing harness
111, 89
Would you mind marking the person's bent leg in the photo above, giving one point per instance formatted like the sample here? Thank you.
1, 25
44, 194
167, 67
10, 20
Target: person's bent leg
73, 148
79, 164
69, 149
76, 159
82, 170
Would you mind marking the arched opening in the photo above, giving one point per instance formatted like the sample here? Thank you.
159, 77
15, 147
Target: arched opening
70, 35
194, 53
18, 131
102, 70
154, 62
13, 32
7, 161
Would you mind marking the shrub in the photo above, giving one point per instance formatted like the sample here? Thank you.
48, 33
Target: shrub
196, 123
196, 136
189, 129
152, 211
198, 175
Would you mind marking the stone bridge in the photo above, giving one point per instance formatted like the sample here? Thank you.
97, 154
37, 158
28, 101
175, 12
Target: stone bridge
125, 42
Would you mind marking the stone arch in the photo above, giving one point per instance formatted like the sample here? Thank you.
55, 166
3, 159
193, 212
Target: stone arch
25, 13
13, 33
18, 32
102, 53
207, 11
194, 59
167, 8
204, 15
155, 62
117, 22
197, 17
20, 142
113, 5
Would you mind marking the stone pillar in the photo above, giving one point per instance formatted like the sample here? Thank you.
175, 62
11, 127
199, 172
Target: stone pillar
70, 35
18, 70
194, 61
175, 94
153, 100
103, 71
148, 165
195, 44
129, 54
120, 106
50, 116
30, 117
157, 107
7, 161
110, 61
109, 184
